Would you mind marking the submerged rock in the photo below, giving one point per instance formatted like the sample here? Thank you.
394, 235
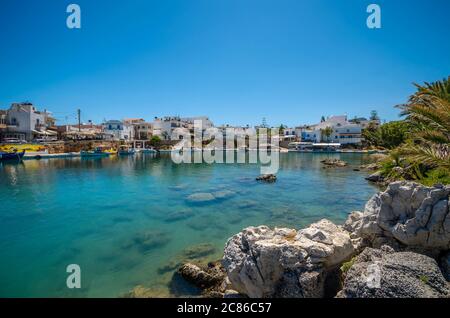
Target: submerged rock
223, 194
179, 215
247, 204
387, 274
406, 213
334, 162
261, 262
144, 292
193, 254
149, 240
199, 250
201, 197
269, 178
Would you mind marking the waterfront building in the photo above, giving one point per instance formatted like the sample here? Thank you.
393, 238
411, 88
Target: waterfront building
24, 122
289, 134
334, 129
2, 121
205, 122
164, 126
142, 130
118, 130
86, 131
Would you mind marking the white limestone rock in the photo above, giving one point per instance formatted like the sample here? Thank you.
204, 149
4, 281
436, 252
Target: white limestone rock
261, 262
410, 213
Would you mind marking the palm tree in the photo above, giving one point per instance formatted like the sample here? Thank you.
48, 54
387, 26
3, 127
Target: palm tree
428, 112
327, 131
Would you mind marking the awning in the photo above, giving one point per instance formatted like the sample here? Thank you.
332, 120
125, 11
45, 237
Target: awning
326, 145
45, 132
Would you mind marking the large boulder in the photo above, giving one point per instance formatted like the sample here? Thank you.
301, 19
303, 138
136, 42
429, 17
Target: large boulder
261, 262
407, 213
445, 265
383, 273
210, 278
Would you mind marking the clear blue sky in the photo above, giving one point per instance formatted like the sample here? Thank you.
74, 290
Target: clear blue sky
237, 61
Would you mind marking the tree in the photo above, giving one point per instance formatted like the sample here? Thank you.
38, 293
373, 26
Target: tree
428, 112
327, 131
155, 141
389, 135
374, 115
322, 119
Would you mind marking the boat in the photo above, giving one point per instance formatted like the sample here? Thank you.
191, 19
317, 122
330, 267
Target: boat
147, 150
6, 156
98, 152
126, 151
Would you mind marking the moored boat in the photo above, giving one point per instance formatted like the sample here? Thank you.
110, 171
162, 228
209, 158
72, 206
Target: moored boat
98, 152
126, 151
6, 156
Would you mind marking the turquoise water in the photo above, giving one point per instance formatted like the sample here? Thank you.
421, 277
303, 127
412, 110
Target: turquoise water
124, 220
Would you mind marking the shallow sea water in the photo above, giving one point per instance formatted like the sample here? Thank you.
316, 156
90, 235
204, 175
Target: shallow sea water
127, 220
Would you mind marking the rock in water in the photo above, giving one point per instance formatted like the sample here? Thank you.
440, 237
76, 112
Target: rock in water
334, 162
375, 177
201, 197
386, 274
223, 194
407, 213
210, 279
270, 178
371, 166
261, 262
197, 276
146, 241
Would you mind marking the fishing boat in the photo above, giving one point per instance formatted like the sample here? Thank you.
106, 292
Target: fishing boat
97, 152
126, 151
147, 150
6, 156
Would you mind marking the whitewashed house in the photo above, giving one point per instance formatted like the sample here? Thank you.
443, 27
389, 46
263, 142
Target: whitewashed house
118, 130
342, 131
24, 122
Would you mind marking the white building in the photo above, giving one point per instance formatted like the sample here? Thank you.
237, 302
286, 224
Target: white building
163, 127
204, 120
340, 131
24, 122
142, 130
118, 130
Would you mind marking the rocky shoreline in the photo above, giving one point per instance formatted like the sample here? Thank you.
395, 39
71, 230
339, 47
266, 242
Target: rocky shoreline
397, 247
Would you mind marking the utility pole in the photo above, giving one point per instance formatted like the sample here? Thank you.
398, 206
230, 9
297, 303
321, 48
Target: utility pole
79, 120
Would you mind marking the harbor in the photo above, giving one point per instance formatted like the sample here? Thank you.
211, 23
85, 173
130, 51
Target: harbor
130, 220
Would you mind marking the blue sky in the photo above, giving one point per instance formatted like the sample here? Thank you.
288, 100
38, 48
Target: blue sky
237, 61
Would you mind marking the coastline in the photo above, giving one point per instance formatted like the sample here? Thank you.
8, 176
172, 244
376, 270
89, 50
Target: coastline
363, 258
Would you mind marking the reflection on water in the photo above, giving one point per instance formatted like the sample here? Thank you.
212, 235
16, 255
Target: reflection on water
130, 221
